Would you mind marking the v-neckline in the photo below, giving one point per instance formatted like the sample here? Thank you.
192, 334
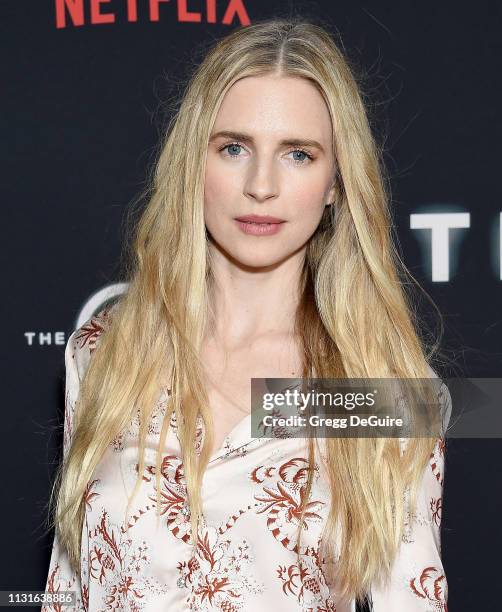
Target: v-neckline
239, 435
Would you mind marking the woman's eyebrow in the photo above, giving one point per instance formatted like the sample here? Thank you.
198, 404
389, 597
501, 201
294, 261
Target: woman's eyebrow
292, 142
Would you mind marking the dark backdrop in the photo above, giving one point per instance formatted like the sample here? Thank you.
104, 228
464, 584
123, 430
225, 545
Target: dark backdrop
84, 101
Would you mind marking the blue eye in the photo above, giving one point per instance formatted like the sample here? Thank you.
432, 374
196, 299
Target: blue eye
303, 161
234, 145
302, 153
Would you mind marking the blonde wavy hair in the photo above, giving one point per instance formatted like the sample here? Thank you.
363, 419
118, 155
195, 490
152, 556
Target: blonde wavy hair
360, 321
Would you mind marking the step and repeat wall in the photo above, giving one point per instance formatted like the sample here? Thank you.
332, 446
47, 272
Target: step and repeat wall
87, 91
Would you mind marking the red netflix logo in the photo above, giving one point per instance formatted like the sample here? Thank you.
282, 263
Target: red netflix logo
93, 12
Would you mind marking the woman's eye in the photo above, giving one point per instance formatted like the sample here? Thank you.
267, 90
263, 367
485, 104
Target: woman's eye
232, 147
301, 160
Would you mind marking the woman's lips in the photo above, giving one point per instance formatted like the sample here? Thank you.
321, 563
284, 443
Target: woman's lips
260, 218
259, 229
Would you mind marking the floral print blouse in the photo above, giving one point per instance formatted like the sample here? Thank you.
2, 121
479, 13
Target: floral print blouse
245, 557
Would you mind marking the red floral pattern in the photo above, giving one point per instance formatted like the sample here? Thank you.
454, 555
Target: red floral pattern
306, 583
430, 585
283, 503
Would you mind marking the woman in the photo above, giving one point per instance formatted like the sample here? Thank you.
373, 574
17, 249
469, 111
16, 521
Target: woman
157, 443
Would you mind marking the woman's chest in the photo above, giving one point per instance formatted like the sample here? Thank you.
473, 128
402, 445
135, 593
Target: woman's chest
252, 500
265, 479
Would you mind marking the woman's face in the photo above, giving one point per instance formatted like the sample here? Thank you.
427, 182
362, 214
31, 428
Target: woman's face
275, 158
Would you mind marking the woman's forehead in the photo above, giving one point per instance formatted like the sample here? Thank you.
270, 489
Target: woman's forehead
274, 107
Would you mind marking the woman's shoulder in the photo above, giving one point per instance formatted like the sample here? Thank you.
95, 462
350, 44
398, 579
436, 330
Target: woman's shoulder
85, 338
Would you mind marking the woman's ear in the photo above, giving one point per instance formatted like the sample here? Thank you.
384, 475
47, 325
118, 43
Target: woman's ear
332, 192
331, 196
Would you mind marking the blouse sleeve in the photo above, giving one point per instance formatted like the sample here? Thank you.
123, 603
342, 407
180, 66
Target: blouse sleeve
60, 576
418, 582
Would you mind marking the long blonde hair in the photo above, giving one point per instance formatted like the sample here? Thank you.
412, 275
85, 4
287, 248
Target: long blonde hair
360, 322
